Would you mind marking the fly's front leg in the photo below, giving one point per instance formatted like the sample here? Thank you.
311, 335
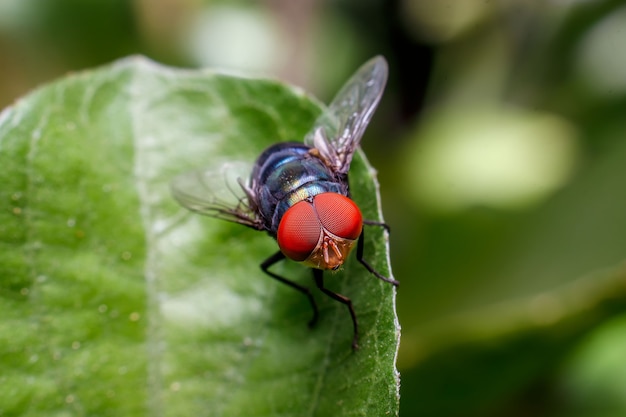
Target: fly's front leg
359, 253
279, 256
318, 276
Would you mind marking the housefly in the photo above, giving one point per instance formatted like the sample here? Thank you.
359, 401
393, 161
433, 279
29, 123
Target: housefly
298, 192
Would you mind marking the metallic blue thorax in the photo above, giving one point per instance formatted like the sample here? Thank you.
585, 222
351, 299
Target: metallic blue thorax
287, 173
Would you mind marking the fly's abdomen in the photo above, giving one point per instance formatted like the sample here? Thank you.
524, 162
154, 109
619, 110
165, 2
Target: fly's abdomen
287, 173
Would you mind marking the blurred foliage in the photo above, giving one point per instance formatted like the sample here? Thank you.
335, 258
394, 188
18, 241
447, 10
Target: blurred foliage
510, 252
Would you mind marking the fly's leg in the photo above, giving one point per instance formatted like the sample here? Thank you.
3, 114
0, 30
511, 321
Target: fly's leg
279, 256
359, 254
375, 223
318, 276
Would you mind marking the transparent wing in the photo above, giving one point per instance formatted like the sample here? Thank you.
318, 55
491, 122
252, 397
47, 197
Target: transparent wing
220, 193
337, 132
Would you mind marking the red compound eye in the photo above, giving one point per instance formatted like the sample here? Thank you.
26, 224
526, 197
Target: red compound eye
299, 231
339, 215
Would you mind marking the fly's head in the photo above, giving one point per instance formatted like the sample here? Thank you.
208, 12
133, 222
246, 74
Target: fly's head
322, 232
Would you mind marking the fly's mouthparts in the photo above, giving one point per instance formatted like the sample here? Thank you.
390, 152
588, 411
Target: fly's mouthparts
329, 241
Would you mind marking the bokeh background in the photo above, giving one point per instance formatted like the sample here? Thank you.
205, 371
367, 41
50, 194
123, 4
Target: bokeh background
501, 150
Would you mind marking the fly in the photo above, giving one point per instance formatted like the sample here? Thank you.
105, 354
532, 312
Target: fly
298, 192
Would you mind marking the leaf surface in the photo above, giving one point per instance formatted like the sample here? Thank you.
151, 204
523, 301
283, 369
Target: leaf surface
116, 301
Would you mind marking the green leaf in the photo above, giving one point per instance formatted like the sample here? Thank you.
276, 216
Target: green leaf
116, 301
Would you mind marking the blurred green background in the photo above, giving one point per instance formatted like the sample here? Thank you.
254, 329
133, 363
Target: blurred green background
501, 150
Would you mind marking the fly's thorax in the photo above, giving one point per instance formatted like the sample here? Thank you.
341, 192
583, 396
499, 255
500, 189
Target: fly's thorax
320, 231
286, 174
